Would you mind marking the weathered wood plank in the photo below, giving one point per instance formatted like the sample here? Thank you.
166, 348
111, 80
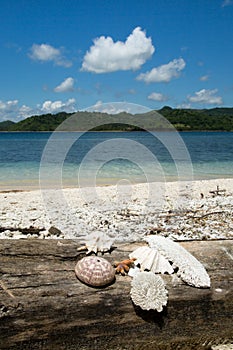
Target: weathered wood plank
44, 306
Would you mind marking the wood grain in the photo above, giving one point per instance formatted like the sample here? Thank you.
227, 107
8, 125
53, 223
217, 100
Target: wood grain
44, 306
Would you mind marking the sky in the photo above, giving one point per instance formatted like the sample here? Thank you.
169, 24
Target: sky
59, 55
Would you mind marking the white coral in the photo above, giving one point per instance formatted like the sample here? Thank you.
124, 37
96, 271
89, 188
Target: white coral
98, 242
190, 269
150, 259
148, 291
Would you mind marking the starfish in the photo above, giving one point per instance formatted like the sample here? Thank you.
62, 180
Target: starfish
123, 266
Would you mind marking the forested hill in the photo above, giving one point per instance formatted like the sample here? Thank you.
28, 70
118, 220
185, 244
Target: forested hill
182, 119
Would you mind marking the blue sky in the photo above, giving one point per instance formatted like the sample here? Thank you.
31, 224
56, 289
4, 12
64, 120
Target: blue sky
59, 55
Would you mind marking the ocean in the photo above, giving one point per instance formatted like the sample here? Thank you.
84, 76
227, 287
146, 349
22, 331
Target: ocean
33, 159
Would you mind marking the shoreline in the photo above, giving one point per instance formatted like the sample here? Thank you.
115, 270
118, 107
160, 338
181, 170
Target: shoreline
84, 131
35, 185
187, 210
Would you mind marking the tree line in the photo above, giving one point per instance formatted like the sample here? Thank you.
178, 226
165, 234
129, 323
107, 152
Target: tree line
215, 119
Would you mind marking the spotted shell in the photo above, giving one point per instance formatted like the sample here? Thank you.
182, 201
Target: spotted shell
95, 271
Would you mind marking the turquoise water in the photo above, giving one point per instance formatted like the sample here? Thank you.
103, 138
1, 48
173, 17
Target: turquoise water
105, 158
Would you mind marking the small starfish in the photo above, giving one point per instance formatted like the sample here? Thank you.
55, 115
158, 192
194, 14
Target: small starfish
123, 266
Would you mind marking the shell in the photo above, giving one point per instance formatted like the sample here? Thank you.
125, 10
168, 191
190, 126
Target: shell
148, 291
190, 270
95, 271
98, 242
150, 259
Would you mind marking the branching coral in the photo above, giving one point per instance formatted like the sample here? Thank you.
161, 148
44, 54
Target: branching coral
190, 270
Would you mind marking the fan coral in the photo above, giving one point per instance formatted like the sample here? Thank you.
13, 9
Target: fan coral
190, 270
150, 259
148, 291
97, 242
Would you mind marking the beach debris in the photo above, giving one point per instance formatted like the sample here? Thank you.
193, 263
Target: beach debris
54, 231
123, 266
217, 192
97, 242
23, 230
148, 291
190, 270
156, 230
151, 260
95, 271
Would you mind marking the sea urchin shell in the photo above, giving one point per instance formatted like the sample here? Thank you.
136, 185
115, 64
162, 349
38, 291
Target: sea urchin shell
94, 271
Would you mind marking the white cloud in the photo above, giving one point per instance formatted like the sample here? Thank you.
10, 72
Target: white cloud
66, 86
204, 78
156, 96
25, 111
11, 110
227, 3
8, 109
109, 56
163, 73
58, 106
8, 105
184, 106
45, 53
206, 97
117, 107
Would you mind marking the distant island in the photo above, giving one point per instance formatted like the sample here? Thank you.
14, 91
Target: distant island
215, 119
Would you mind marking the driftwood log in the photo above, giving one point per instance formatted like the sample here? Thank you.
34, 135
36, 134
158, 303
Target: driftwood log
43, 306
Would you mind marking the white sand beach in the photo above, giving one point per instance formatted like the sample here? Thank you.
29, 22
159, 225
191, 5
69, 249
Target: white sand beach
180, 210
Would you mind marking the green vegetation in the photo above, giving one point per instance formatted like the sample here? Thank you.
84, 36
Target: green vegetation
182, 119
200, 119
6, 125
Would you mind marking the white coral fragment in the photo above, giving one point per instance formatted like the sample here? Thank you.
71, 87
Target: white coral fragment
148, 291
190, 270
151, 260
98, 242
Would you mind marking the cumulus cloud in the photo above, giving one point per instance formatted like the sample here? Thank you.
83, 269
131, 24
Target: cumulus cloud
25, 111
8, 105
156, 96
45, 53
204, 78
206, 97
10, 110
163, 73
184, 105
58, 106
66, 86
109, 56
117, 107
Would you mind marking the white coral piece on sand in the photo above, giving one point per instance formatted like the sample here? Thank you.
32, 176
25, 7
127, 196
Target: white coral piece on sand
190, 270
148, 291
150, 259
98, 242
